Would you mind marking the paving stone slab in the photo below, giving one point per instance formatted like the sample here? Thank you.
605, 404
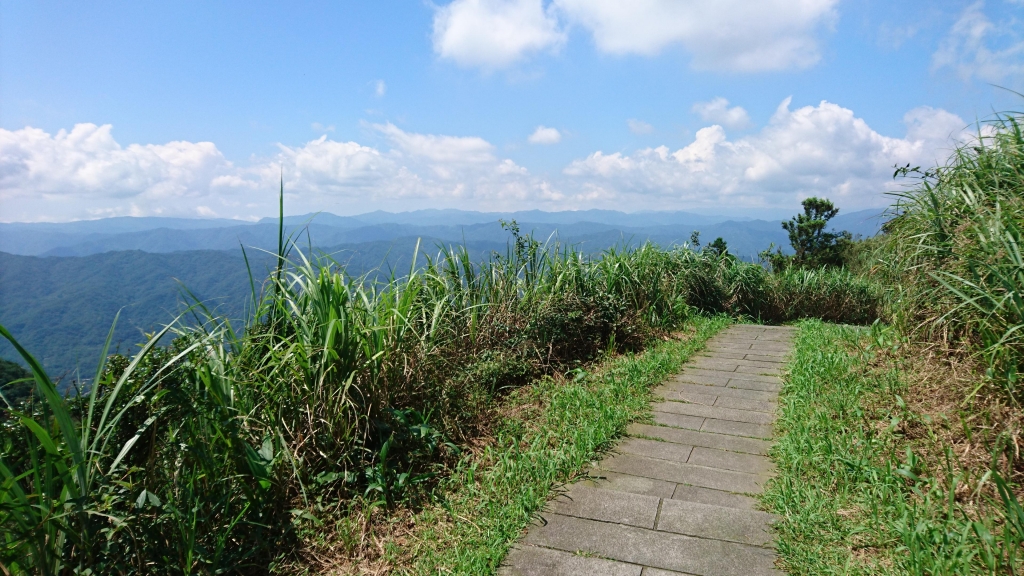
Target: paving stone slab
767, 357
655, 449
729, 355
714, 364
710, 373
783, 338
726, 460
718, 522
739, 403
727, 480
744, 369
648, 571
705, 439
678, 420
769, 378
729, 336
720, 391
759, 385
526, 560
725, 346
720, 380
607, 506
735, 428
772, 367
693, 397
703, 495
766, 346
609, 480
652, 548
717, 412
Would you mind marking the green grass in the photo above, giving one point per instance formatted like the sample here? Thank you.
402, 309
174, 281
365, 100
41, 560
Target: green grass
339, 390
493, 495
953, 253
852, 494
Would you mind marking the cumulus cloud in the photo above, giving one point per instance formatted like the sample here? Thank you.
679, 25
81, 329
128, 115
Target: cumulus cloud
976, 47
718, 111
814, 150
448, 149
639, 126
87, 166
736, 35
743, 35
823, 150
494, 33
545, 135
85, 173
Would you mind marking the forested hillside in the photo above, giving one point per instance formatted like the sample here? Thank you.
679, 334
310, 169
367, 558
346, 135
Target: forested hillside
61, 294
62, 307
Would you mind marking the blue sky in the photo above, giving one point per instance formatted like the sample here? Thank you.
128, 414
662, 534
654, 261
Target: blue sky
194, 108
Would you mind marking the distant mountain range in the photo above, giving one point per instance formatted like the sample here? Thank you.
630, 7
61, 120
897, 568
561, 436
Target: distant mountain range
62, 284
592, 229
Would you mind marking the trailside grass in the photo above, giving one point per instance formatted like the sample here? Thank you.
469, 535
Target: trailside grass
853, 491
554, 429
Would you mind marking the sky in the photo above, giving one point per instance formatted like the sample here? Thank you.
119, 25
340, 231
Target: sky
735, 107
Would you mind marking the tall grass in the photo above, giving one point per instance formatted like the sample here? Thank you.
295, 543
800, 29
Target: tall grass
953, 251
852, 494
199, 458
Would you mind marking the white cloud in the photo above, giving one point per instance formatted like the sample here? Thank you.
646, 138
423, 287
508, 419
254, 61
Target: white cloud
86, 173
545, 135
85, 169
741, 35
735, 35
718, 111
814, 150
449, 149
380, 88
318, 127
494, 33
639, 126
976, 47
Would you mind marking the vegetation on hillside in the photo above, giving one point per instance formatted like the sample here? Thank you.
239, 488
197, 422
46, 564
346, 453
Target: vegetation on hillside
814, 245
900, 445
953, 252
15, 383
236, 448
876, 470
206, 456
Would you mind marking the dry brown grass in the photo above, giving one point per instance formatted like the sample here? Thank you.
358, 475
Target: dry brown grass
953, 408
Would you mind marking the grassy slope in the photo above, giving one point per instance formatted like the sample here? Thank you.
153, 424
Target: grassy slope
494, 494
853, 496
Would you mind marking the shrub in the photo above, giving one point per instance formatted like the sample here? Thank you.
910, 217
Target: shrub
196, 458
952, 251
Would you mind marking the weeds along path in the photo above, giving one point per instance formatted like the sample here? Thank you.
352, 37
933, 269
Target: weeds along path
554, 431
677, 496
872, 475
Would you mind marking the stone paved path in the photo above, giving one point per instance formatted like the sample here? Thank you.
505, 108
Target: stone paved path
675, 497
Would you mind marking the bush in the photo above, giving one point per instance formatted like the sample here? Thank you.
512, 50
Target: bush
952, 250
340, 388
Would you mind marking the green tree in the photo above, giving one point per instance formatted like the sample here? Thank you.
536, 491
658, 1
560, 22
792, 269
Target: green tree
813, 246
718, 247
15, 383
